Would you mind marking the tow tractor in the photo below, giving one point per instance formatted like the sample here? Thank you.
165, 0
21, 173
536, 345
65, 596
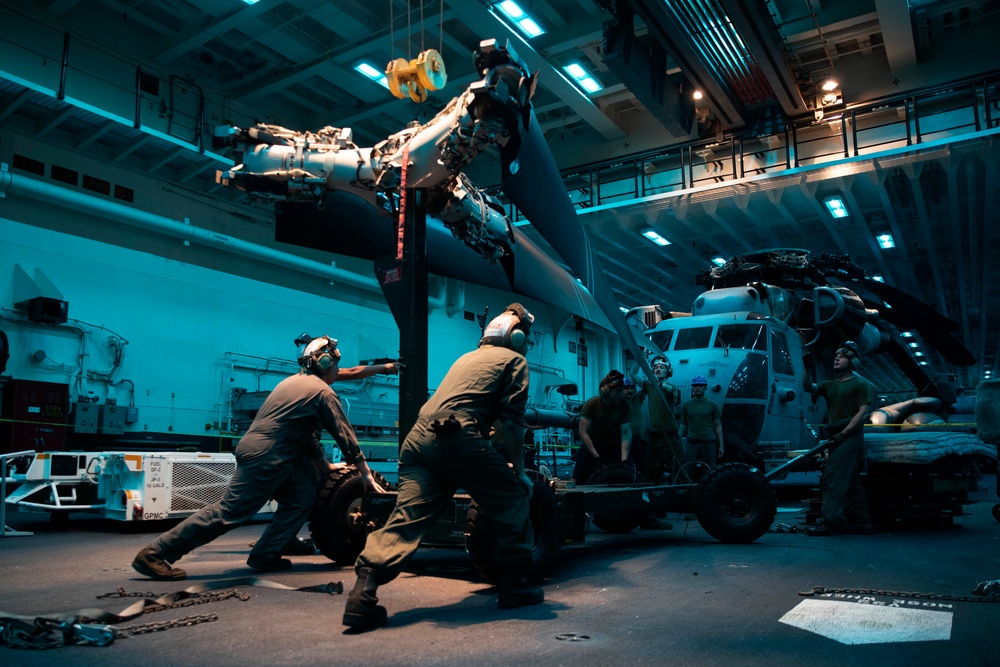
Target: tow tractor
124, 486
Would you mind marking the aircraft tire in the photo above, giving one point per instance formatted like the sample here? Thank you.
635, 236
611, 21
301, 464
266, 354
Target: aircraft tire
735, 503
546, 525
333, 525
621, 474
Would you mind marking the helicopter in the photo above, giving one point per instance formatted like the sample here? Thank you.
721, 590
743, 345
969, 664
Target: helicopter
767, 318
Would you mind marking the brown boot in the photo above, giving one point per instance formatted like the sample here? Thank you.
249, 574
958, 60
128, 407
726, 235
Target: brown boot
362, 611
151, 564
516, 591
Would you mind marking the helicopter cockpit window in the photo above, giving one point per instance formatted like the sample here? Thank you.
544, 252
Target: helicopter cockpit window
742, 336
662, 338
693, 339
781, 358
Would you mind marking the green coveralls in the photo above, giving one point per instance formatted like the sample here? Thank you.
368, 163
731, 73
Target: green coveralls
606, 422
276, 458
666, 453
482, 386
844, 498
698, 416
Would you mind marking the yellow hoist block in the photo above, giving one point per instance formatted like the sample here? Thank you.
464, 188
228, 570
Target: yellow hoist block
413, 78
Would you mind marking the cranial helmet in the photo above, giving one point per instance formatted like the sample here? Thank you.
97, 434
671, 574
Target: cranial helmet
661, 360
699, 380
319, 355
612, 380
509, 329
850, 350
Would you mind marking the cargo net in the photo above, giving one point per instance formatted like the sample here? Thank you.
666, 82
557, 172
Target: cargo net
198, 484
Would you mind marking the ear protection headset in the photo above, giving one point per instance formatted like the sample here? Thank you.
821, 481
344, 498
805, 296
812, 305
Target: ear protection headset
850, 350
320, 355
660, 359
509, 329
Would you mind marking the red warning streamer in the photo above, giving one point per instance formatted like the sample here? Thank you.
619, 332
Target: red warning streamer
402, 203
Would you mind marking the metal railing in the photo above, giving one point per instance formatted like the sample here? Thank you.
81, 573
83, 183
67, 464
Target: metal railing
951, 110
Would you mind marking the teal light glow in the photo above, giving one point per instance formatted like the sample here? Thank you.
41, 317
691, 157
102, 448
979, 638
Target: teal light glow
372, 73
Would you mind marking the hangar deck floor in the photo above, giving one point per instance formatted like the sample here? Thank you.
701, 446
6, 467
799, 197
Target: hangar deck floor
651, 597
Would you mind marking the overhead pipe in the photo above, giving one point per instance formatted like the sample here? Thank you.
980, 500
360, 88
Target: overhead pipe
71, 199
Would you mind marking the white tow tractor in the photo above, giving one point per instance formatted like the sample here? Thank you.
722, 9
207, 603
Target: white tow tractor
126, 486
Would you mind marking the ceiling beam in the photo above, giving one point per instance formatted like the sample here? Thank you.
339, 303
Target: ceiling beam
280, 78
53, 121
21, 98
741, 198
485, 24
130, 147
912, 171
177, 45
156, 163
58, 7
677, 43
711, 208
760, 37
845, 184
96, 134
876, 178
808, 191
964, 266
987, 277
897, 33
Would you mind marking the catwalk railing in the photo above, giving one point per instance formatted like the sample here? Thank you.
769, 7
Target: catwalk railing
951, 110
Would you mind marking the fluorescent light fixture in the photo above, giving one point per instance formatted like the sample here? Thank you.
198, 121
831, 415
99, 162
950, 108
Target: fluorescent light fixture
524, 22
250, 2
836, 207
913, 344
918, 354
885, 241
922, 363
511, 10
718, 261
530, 27
371, 72
878, 279
906, 334
582, 77
651, 234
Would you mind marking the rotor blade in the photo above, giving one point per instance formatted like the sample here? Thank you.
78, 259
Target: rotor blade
533, 183
907, 312
347, 225
907, 306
